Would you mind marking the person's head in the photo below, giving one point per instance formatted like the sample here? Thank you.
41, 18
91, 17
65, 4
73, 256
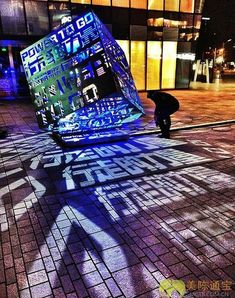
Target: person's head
150, 93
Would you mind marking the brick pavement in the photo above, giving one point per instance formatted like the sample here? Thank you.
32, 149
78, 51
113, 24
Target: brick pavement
120, 238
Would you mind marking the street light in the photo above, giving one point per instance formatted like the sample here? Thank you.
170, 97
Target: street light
224, 43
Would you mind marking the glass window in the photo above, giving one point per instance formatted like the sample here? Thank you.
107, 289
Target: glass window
12, 17
37, 17
57, 11
120, 3
169, 64
186, 26
154, 50
154, 34
155, 22
170, 34
155, 4
184, 59
81, 1
199, 6
77, 9
197, 26
103, 13
138, 17
124, 44
138, 63
197, 21
172, 5
171, 19
121, 28
155, 25
102, 2
138, 32
187, 6
139, 4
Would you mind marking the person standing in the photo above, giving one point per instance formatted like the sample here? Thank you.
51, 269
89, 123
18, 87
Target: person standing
166, 105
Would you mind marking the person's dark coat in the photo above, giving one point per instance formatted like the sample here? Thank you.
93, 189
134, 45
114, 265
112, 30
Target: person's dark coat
166, 104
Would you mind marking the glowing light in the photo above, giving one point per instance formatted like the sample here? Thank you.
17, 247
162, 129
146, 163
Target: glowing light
80, 78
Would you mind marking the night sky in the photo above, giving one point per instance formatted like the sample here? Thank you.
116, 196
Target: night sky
222, 22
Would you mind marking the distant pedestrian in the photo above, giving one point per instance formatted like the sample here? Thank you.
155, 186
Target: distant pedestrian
166, 105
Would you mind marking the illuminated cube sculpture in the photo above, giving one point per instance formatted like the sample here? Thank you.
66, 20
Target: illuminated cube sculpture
79, 79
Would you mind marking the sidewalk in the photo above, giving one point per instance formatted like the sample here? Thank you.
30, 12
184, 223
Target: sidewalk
202, 103
119, 219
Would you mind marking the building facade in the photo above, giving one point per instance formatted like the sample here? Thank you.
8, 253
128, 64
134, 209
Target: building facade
158, 36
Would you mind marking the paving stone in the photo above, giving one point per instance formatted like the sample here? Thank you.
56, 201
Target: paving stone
54, 279
59, 292
67, 284
3, 290
92, 279
86, 267
164, 270
99, 291
37, 277
169, 259
41, 290
126, 279
10, 276
25, 293
221, 261
113, 288
106, 239
179, 270
124, 257
209, 227
159, 249
80, 288
12, 290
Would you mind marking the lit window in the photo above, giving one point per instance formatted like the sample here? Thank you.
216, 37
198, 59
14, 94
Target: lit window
138, 63
37, 17
12, 17
187, 5
153, 64
155, 4
172, 5
81, 1
169, 64
120, 3
155, 22
199, 5
139, 4
197, 21
102, 2
124, 44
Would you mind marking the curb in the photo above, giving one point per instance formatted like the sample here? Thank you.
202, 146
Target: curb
187, 127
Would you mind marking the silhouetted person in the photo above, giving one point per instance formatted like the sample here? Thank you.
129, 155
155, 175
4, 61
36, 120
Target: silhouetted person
166, 105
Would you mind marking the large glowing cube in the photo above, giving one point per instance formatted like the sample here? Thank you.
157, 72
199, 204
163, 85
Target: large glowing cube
79, 78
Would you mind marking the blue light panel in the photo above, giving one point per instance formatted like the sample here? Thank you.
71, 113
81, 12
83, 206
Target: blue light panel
79, 78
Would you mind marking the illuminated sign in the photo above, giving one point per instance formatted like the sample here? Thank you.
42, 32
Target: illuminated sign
79, 77
65, 19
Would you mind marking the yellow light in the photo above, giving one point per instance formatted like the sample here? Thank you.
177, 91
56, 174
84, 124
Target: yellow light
153, 64
138, 63
169, 64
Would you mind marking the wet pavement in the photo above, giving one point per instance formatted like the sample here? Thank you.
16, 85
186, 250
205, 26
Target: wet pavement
120, 219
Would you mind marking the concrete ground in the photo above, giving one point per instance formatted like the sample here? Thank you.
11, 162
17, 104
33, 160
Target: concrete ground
120, 219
